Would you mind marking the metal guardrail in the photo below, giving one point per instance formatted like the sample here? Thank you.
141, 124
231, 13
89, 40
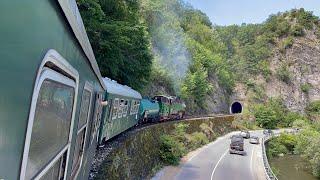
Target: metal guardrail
268, 171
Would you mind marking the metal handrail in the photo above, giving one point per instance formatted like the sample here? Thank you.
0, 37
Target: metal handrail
268, 171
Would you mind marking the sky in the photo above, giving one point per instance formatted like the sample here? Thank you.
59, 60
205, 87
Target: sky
228, 12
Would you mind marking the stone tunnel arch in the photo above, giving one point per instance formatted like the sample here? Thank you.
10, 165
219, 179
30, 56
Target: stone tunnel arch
236, 108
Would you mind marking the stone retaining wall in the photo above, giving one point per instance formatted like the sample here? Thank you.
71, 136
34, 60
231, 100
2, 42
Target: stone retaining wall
136, 155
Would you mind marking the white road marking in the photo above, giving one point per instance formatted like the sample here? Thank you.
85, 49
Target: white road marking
251, 160
215, 167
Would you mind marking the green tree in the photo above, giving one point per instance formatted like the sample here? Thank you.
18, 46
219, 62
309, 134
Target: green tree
119, 40
266, 117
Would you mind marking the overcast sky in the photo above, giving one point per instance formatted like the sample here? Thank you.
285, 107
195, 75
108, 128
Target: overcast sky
227, 12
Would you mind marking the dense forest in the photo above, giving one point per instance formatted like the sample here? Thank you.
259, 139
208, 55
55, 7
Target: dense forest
168, 47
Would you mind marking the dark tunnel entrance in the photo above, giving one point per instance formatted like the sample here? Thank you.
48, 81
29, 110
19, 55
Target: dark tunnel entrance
236, 108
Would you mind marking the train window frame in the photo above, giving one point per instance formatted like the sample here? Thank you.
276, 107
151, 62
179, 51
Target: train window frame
97, 117
115, 108
125, 112
121, 108
138, 105
53, 67
132, 107
75, 172
110, 110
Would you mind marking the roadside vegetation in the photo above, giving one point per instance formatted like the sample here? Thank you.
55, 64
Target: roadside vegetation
176, 145
306, 143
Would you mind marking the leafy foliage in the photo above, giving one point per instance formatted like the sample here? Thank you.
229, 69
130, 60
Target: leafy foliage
284, 74
313, 107
120, 41
283, 144
305, 87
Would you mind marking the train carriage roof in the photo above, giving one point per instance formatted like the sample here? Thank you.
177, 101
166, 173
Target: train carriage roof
115, 88
71, 12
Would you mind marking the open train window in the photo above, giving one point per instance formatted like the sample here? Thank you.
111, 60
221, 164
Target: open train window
115, 108
96, 117
137, 107
133, 102
51, 116
82, 129
121, 108
125, 109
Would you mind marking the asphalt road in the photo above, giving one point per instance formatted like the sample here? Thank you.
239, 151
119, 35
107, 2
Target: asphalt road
213, 162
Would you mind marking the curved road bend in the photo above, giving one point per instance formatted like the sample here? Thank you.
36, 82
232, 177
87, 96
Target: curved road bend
213, 162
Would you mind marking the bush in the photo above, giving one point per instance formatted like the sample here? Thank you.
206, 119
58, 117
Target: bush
275, 147
297, 30
284, 144
313, 107
305, 87
196, 140
171, 150
284, 74
265, 116
290, 118
308, 145
288, 140
287, 42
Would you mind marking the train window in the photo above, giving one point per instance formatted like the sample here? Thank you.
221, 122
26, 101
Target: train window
132, 107
57, 170
86, 99
121, 108
137, 106
82, 129
97, 117
125, 110
48, 135
115, 108
51, 125
110, 110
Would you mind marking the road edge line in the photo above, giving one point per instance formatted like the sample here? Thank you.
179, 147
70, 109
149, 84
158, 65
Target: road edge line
215, 167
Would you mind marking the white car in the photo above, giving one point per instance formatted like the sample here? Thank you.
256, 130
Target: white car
254, 140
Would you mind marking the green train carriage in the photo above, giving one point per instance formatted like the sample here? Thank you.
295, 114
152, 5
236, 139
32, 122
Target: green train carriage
51, 92
121, 112
149, 111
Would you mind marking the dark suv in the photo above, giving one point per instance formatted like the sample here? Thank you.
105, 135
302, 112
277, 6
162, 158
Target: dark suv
237, 145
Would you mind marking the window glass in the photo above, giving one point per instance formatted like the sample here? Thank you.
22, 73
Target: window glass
121, 108
138, 105
86, 96
56, 172
125, 110
132, 107
78, 151
115, 108
110, 109
97, 117
50, 131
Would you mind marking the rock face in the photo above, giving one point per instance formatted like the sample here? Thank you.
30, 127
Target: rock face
302, 60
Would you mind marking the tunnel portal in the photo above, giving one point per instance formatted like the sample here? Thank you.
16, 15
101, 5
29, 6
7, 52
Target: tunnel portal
236, 108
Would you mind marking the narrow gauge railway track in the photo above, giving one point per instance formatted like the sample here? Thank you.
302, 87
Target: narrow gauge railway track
104, 150
185, 118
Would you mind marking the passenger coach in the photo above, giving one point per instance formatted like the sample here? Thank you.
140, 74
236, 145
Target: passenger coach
51, 91
121, 113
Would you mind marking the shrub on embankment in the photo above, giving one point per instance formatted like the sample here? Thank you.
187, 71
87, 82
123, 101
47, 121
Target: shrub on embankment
306, 143
175, 145
146, 150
